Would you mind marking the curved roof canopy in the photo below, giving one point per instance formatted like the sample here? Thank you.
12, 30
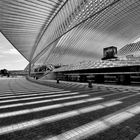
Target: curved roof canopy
68, 31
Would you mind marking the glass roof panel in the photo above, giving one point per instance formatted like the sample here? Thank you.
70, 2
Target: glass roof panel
68, 31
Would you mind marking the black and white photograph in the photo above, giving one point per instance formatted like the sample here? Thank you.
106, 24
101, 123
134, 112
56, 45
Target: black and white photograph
69, 69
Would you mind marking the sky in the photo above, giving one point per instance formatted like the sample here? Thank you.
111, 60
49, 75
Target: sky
10, 58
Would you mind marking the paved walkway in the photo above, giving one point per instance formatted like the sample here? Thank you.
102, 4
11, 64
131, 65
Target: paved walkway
66, 111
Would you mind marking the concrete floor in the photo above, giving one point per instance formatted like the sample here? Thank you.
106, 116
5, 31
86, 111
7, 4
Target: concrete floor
68, 111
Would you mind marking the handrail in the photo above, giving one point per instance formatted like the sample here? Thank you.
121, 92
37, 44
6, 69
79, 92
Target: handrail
105, 73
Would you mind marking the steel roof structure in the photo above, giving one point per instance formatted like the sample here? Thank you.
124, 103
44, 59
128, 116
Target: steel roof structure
68, 31
131, 49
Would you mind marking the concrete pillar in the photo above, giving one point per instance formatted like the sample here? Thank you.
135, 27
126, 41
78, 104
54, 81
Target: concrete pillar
90, 84
57, 81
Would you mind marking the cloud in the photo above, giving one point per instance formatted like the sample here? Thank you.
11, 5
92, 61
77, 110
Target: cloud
10, 58
19, 61
6, 47
4, 43
11, 51
1, 56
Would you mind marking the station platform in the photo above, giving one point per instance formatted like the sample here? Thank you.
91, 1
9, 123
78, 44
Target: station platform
67, 111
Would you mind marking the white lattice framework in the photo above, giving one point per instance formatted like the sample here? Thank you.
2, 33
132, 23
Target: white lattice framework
68, 31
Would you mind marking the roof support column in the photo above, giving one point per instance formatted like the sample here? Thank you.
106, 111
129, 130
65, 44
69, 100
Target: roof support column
29, 69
